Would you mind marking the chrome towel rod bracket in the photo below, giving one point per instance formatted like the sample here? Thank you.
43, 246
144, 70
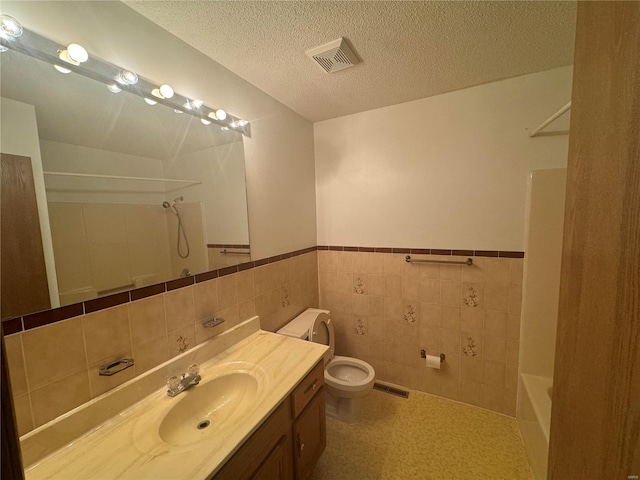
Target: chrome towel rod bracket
468, 261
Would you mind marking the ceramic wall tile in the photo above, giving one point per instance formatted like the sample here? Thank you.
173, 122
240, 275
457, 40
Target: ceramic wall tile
147, 319
156, 328
22, 409
15, 361
205, 297
179, 308
59, 397
468, 313
60, 344
107, 334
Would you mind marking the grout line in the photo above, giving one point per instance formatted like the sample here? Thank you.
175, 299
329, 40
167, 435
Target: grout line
86, 355
26, 378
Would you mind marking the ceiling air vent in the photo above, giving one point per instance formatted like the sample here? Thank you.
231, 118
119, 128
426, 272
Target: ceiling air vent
333, 56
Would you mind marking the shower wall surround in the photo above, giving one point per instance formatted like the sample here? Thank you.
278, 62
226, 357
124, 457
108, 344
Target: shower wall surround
54, 367
386, 310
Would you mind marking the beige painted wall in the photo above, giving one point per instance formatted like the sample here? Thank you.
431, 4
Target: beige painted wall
443, 172
542, 271
19, 136
279, 156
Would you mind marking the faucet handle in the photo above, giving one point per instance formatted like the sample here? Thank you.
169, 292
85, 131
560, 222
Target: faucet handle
193, 369
173, 383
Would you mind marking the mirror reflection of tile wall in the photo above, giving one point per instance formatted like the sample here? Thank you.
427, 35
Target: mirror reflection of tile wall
101, 249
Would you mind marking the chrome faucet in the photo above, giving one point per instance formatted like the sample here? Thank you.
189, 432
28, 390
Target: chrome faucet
179, 383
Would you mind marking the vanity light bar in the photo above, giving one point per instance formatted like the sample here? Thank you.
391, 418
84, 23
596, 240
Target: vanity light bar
37, 46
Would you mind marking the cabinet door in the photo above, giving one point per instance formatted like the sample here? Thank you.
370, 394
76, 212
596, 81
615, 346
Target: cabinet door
267, 450
277, 465
310, 436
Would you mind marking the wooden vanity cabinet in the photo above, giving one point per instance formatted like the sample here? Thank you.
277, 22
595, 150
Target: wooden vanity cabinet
267, 453
289, 443
309, 436
309, 431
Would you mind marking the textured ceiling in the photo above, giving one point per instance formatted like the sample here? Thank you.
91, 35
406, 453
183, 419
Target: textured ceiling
408, 50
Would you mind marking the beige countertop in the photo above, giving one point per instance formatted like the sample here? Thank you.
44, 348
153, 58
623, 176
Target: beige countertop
129, 445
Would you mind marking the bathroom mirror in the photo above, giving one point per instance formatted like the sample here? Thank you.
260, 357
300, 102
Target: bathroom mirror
136, 194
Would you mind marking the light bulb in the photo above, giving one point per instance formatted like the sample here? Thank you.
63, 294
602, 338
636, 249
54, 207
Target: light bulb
61, 70
3, 49
127, 77
64, 56
221, 114
77, 53
233, 124
149, 101
166, 91
156, 93
113, 88
242, 123
205, 122
10, 27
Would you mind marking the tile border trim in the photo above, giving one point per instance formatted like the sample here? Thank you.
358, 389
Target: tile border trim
426, 251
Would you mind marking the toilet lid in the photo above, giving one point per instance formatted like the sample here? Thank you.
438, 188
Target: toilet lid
322, 332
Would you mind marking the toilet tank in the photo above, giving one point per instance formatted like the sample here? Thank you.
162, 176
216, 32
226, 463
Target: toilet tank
299, 326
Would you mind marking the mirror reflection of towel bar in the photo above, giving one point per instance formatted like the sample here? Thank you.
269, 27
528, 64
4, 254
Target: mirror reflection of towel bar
231, 252
468, 261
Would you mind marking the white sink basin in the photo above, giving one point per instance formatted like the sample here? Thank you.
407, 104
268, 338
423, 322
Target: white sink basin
201, 410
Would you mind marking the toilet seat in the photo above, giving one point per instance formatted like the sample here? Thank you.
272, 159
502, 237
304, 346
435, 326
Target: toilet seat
357, 375
321, 331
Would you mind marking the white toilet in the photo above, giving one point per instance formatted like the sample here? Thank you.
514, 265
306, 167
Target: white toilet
346, 379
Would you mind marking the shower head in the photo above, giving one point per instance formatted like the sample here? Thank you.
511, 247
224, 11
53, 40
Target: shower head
166, 204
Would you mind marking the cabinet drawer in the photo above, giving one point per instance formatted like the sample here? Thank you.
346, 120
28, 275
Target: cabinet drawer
311, 384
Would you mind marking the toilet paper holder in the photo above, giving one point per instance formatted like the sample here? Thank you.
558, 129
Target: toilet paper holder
423, 354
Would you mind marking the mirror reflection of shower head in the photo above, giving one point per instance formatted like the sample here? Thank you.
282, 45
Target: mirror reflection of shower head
166, 204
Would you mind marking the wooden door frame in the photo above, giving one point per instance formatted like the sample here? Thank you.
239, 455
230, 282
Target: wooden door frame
595, 417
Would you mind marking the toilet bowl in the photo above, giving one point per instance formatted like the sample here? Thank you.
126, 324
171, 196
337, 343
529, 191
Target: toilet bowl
346, 379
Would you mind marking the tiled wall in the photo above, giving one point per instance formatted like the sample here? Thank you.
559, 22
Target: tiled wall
386, 310
54, 367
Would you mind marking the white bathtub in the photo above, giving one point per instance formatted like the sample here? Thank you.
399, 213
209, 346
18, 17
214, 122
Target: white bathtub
534, 419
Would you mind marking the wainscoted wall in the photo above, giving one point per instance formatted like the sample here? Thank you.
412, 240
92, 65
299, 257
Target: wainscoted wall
386, 310
54, 368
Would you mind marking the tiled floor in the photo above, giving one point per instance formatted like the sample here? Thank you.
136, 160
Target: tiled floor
423, 437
